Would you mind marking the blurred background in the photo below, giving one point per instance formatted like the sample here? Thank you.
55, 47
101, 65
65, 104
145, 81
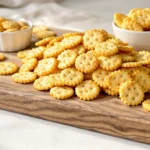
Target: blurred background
69, 14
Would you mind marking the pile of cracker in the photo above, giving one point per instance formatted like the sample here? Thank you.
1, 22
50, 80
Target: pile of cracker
138, 19
8, 25
84, 64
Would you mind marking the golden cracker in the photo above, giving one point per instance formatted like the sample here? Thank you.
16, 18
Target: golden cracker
46, 66
131, 93
87, 90
61, 93
71, 76
8, 68
66, 59
92, 37
71, 41
43, 83
86, 62
146, 104
24, 77
106, 49
115, 79
29, 65
110, 63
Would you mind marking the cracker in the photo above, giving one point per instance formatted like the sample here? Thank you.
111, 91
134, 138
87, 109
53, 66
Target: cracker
100, 77
106, 49
145, 69
66, 59
72, 34
22, 24
92, 37
53, 51
71, 41
131, 93
86, 62
131, 70
61, 93
2, 56
126, 57
55, 40
110, 92
29, 65
118, 19
130, 24
125, 48
24, 27
11, 30
37, 29
110, 63
46, 66
45, 41
142, 17
143, 57
79, 49
132, 11
7, 68
71, 76
146, 104
24, 77
87, 90
131, 64
43, 83
44, 34
115, 79
22, 54
56, 79
143, 79
116, 41
9, 24
35, 52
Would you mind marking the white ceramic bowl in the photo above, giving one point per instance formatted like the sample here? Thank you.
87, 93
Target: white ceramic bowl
18, 40
139, 40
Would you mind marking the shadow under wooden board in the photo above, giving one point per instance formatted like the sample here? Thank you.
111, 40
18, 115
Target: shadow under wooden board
106, 114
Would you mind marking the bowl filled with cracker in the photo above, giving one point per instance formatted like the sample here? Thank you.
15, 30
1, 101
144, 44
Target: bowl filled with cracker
15, 34
133, 28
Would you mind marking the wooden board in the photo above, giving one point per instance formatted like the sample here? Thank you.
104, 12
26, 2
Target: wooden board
106, 114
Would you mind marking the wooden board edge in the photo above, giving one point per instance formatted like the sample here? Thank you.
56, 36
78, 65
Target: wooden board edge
76, 117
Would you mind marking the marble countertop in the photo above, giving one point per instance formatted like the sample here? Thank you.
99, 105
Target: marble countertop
19, 132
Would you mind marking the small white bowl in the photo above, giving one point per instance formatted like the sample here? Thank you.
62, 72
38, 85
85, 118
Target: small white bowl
18, 40
139, 40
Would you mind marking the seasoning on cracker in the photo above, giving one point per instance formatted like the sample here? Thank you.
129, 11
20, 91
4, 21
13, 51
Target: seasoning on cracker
87, 90
43, 83
61, 92
92, 37
131, 93
45, 66
66, 59
106, 49
100, 77
86, 62
24, 77
29, 65
71, 76
110, 63
8, 68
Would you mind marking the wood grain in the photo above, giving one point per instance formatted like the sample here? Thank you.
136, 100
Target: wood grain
106, 114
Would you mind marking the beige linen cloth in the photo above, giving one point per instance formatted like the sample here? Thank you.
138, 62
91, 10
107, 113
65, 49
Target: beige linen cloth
50, 13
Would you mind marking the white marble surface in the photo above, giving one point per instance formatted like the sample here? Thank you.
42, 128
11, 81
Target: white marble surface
19, 132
